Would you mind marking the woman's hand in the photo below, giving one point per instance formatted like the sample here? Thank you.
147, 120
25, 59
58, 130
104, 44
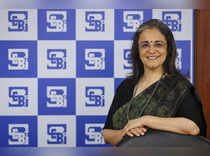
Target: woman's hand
139, 131
138, 122
135, 127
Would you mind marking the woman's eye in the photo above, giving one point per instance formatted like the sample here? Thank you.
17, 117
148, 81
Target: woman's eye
158, 44
144, 45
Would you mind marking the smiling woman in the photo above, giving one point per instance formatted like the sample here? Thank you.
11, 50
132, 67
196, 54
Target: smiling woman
156, 96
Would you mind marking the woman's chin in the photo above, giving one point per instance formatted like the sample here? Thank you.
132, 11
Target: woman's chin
153, 67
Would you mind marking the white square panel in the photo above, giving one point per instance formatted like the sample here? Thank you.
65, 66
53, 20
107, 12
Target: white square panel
122, 60
56, 59
18, 96
180, 19
55, 134
95, 24
18, 24
94, 96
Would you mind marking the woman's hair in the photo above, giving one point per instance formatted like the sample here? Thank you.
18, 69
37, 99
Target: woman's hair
169, 64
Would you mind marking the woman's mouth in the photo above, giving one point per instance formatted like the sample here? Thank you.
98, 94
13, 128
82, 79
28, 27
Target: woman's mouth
152, 57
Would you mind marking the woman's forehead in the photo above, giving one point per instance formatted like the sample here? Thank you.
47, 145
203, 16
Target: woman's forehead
151, 34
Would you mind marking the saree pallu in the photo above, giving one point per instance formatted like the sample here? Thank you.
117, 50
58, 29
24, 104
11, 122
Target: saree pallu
160, 99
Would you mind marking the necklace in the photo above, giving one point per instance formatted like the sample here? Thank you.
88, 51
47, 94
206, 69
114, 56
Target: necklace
149, 99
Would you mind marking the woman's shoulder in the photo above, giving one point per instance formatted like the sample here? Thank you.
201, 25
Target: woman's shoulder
179, 79
184, 79
127, 80
127, 83
190, 87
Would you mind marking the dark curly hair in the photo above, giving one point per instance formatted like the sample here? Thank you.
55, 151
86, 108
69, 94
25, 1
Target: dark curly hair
169, 64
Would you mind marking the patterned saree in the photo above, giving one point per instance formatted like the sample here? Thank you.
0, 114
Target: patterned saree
160, 99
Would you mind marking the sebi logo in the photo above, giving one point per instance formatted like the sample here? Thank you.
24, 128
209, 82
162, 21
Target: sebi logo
94, 21
56, 59
56, 134
179, 59
56, 21
93, 133
18, 21
18, 96
172, 19
132, 20
18, 59
127, 59
56, 96
18, 134
94, 96
95, 59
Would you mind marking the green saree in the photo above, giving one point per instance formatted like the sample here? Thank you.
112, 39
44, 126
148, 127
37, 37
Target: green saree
160, 99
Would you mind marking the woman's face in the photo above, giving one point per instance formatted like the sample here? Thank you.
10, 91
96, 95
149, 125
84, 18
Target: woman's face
152, 49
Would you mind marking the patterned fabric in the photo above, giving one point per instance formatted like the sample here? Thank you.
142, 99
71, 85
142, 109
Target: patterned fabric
160, 99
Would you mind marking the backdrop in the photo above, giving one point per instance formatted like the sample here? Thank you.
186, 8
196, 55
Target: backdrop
59, 70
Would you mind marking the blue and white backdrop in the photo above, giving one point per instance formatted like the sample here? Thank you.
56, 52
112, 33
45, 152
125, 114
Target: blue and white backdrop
59, 70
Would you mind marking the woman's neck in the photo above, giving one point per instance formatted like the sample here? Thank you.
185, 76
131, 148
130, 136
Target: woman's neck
152, 75
149, 77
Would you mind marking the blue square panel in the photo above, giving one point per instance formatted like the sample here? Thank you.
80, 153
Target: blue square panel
89, 131
18, 131
18, 59
56, 96
95, 58
183, 59
56, 24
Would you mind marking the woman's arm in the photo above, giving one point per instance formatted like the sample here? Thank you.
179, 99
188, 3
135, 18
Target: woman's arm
175, 124
113, 136
191, 108
138, 126
189, 118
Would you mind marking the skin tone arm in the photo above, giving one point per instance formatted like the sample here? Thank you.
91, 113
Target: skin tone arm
138, 127
177, 125
114, 136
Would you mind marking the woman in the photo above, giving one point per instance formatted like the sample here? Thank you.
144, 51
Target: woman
156, 95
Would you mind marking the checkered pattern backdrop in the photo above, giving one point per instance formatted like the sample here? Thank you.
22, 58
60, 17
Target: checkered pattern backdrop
60, 68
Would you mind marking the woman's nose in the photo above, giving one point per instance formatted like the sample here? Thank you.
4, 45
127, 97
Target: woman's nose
152, 49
